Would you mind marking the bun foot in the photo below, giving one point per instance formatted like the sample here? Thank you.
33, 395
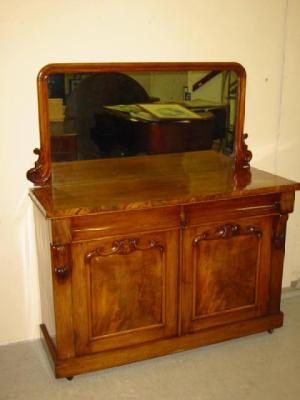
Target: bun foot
270, 331
70, 378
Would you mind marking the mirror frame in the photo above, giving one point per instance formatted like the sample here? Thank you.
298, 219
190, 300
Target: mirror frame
40, 174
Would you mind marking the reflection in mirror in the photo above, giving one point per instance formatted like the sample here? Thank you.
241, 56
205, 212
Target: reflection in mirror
113, 114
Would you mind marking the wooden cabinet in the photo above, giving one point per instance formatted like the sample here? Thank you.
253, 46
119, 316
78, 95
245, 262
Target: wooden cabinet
148, 255
140, 280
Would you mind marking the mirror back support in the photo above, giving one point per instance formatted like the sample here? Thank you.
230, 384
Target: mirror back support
196, 74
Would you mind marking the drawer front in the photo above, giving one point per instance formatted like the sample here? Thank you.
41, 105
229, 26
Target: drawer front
102, 225
211, 211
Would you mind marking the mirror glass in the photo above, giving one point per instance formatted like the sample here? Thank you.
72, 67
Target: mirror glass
114, 114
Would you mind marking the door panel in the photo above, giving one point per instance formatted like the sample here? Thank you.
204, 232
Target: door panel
122, 288
138, 276
225, 273
224, 288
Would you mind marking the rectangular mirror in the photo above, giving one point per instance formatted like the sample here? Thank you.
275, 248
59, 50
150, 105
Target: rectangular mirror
117, 114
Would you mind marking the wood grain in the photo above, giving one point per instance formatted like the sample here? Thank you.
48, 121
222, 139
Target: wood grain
62, 295
89, 187
43, 239
125, 290
159, 254
144, 250
97, 361
225, 276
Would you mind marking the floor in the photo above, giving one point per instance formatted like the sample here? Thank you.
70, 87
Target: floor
258, 367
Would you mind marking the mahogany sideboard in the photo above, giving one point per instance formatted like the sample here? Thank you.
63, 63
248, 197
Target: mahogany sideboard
145, 256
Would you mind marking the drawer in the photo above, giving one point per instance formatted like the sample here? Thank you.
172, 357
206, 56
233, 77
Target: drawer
107, 224
214, 211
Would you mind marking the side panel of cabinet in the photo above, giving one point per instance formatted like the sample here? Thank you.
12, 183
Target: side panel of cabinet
124, 290
226, 270
43, 241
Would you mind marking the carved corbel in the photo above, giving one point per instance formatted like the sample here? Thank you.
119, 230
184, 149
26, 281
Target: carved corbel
286, 203
284, 206
279, 231
182, 218
61, 261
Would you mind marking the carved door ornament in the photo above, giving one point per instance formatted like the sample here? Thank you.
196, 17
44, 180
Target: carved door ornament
227, 231
124, 247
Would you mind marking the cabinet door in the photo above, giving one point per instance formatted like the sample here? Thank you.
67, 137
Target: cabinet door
226, 270
124, 290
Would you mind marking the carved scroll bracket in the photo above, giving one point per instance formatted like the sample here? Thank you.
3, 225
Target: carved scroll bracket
246, 155
39, 175
124, 247
61, 261
227, 231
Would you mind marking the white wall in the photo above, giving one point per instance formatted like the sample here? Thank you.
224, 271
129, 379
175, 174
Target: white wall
36, 32
288, 138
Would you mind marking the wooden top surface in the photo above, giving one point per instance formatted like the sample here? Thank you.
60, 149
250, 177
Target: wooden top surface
87, 187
